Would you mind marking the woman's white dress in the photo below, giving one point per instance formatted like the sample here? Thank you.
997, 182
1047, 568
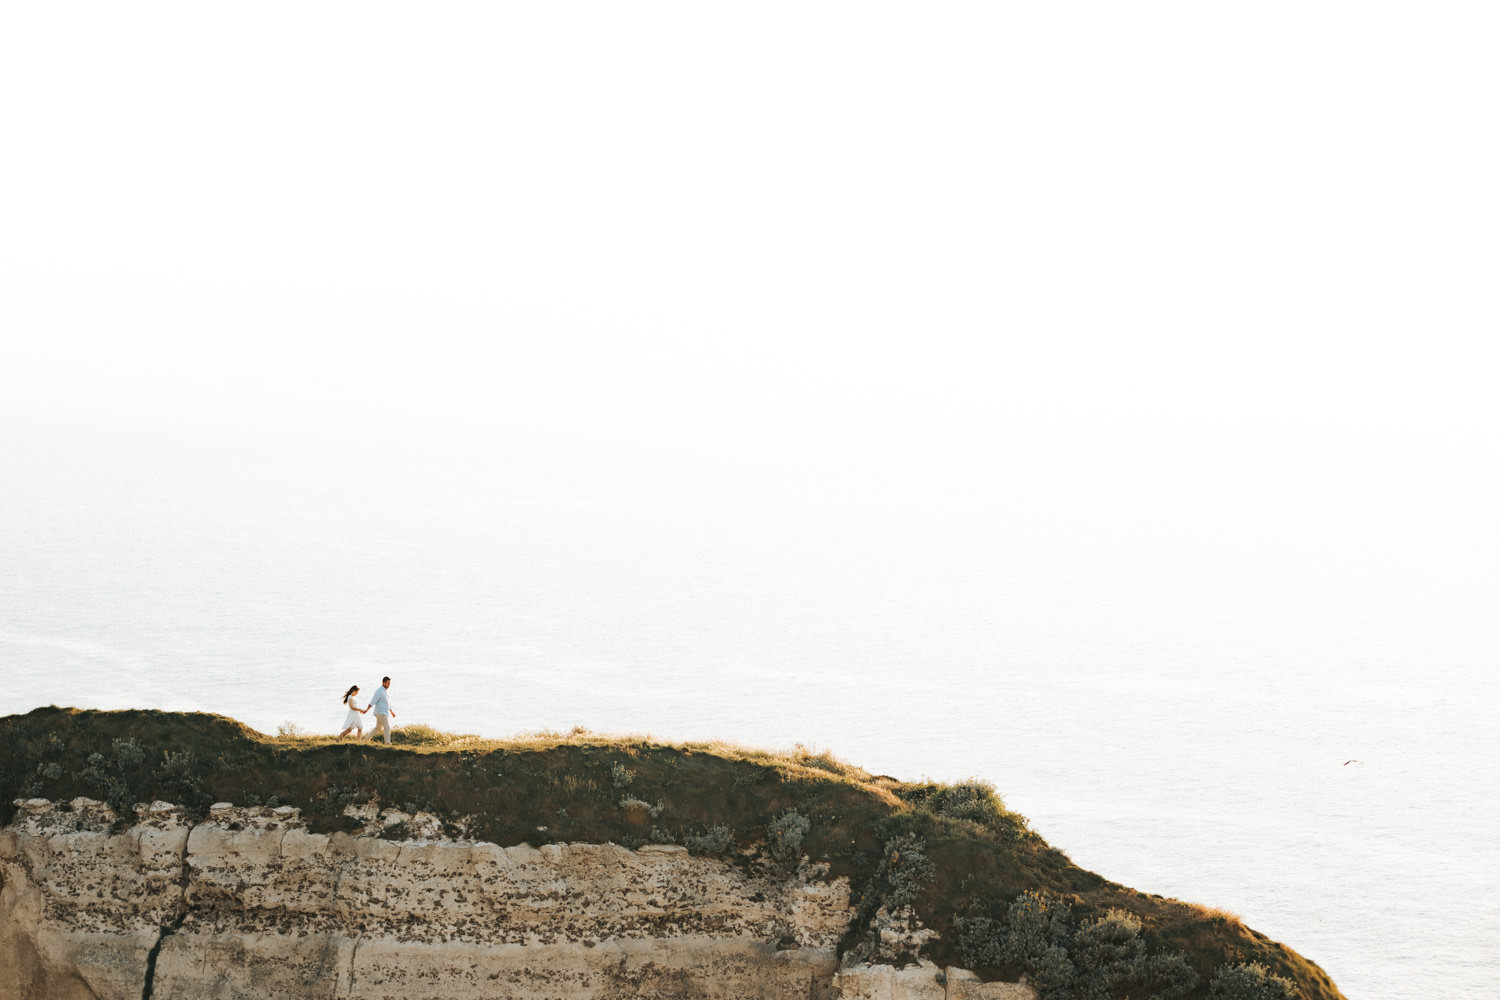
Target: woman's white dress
351, 721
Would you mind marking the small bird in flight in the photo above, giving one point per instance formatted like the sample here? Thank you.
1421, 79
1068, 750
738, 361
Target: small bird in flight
1352, 761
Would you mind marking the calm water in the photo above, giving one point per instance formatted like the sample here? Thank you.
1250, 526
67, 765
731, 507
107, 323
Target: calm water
1170, 697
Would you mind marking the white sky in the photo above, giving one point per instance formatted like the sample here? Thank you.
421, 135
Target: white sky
1092, 240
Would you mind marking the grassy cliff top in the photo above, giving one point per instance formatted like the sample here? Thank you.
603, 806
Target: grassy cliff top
973, 870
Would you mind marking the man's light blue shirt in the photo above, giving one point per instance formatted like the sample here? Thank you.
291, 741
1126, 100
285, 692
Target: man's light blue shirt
380, 704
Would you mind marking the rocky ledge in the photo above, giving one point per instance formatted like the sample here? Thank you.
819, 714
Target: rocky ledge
249, 903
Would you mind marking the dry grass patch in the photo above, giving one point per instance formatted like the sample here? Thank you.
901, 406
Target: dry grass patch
1217, 915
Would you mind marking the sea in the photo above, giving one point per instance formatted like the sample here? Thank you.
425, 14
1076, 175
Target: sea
1289, 717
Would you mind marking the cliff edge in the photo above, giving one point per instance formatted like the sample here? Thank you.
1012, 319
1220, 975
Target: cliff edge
158, 854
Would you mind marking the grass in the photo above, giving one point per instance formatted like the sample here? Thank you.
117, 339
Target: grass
583, 787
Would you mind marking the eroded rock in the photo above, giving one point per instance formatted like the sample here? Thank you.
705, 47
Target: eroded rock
249, 903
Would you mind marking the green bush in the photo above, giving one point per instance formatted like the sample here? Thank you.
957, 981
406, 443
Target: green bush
176, 765
1103, 958
1035, 923
1250, 981
1168, 975
178, 779
904, 870
1055, 974
118, 796
332, 799
717, 840
42, 777
784, 835
128, 754
979, 941
973, 801
94, 774
1107, 953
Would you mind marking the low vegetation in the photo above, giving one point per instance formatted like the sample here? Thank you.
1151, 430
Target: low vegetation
1004, 902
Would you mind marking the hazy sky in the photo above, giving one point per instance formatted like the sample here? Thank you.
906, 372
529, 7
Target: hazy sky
1147, 247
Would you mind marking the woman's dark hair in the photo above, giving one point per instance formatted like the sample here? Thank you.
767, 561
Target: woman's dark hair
349, 692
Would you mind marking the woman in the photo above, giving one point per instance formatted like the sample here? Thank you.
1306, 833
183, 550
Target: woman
351, 720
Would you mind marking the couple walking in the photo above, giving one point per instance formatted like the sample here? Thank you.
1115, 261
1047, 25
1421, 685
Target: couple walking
380, 704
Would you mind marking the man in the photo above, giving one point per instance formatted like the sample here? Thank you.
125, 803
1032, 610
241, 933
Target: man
381, 706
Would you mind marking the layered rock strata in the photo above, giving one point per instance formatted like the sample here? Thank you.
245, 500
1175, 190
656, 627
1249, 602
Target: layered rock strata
249, 903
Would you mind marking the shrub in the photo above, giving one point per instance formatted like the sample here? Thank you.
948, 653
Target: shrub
784, 835
334, 798
1035, 923
1054, 975
1168, 975
1250, 981
717, 840
979, 941
94, 774
1107, 953
1103, 958
905, 870
119, 797
128, 753
176, 765
973, 801
178, 780
620, 774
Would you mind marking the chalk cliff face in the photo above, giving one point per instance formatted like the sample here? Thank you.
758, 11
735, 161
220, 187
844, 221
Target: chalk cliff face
248, 903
